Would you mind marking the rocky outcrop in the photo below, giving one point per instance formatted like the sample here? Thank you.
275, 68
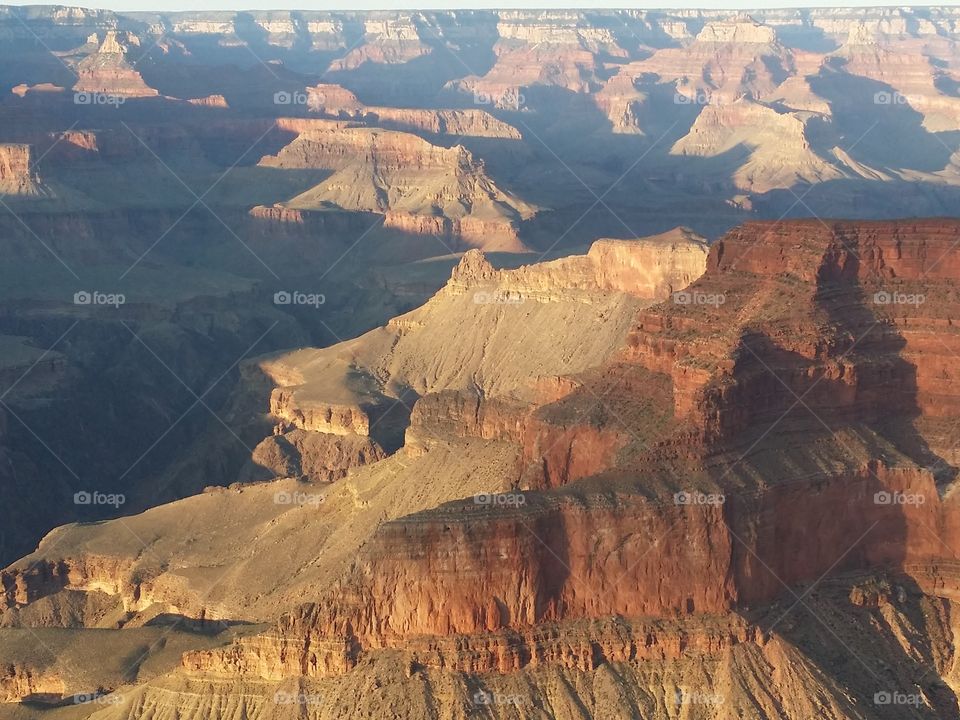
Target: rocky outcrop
741, 30
421, 188
779, 154
17, 174
210, 101
728, 60
553, 450
334, 389
881, 266
320, 417
18, 682
558, 49
391, 38
688, 560
648, 268
315, 456
337, 101
723, 528
107, 71
469, 231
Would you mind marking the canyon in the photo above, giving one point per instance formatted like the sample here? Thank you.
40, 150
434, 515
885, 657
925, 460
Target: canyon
631, 511
479, 363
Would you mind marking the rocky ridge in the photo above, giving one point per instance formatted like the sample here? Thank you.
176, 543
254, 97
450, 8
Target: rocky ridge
795, 293
422, 189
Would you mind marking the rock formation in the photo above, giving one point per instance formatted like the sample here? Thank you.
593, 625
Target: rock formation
784, 311
18, 176
107, 71
421, 188
679, 522
475, 426
339, 102
727, 60
547, 475
767, 149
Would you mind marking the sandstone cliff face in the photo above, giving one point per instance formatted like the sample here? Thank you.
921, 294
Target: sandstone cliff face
553, 450
648, 268
779, 153
601, 289
392, 39
338, 101
491, 235
18, 682
421, 188
17, 175
788, 510
875, 264
706, 667
445, 573
558, 49
728, 60
210, 101
336, 419
107, 70
317, 456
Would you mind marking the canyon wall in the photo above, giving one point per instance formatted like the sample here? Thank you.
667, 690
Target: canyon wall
17, 174
745, 523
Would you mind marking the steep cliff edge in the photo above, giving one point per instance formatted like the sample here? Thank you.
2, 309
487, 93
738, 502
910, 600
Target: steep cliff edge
471, 418
699, 667
718, 514
17, 175
784, 418
514, 313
